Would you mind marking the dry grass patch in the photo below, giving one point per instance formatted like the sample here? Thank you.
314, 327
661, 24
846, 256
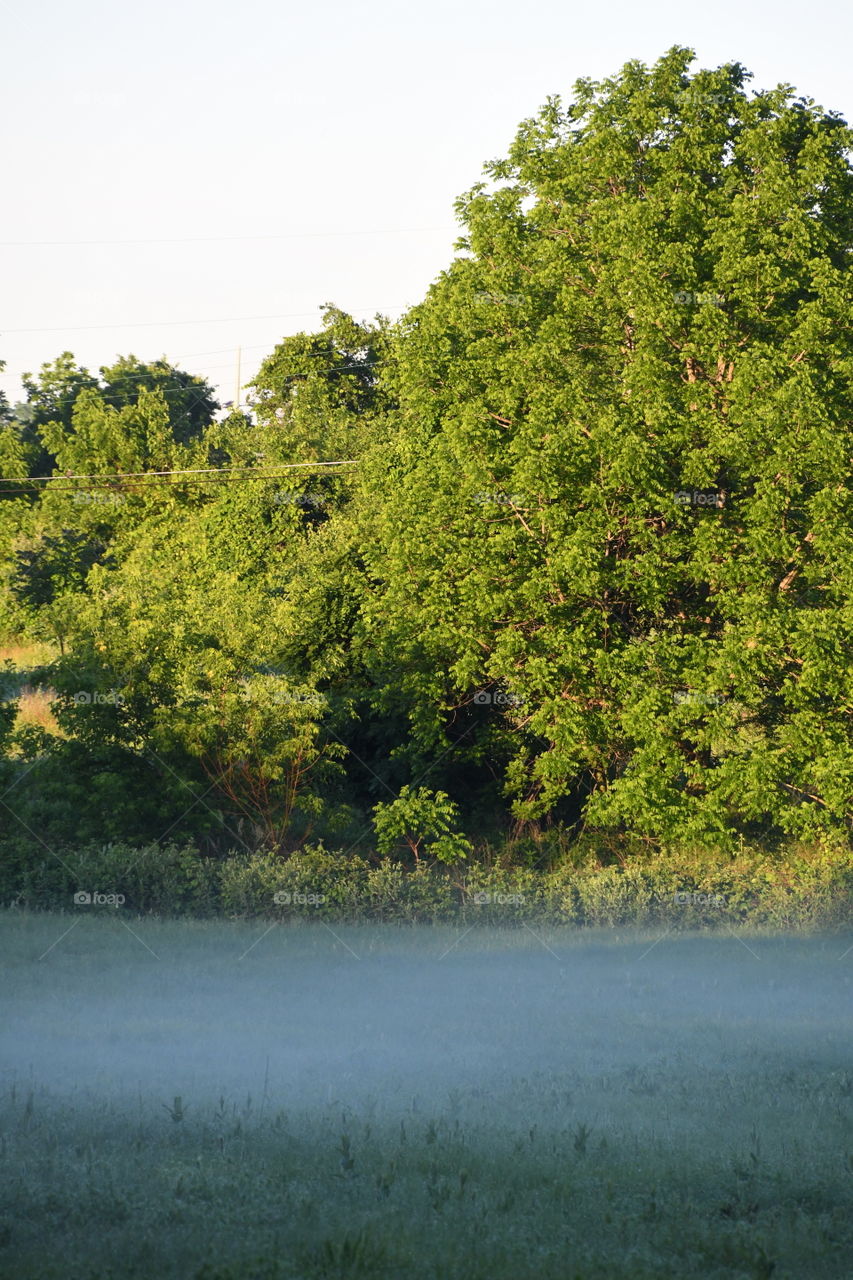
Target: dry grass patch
25, 654
34, 707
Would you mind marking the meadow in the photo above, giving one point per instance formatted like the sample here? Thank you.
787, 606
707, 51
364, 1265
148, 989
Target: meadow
234, 1100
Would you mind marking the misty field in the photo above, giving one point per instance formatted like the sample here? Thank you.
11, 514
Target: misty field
229, 1100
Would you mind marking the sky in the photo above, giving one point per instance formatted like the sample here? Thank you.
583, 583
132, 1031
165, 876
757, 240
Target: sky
186, 178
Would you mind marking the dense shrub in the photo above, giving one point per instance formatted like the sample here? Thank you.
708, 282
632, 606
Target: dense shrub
807, 886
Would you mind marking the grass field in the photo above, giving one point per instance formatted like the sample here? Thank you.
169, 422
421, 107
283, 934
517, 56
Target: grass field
229, 1100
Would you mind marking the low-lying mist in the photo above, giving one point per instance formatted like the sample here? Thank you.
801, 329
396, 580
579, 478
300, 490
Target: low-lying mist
303, 1014
296, 1101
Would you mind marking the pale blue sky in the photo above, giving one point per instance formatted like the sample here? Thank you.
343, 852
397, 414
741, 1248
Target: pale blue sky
356, 123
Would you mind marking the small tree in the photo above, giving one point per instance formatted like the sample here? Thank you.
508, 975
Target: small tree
421, 819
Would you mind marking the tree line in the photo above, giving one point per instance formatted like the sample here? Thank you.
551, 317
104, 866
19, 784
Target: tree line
588, 565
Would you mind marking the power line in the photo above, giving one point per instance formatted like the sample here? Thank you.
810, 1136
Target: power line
192, 355
217, 477
141, 484
128, 377
186, 355
286, 235
153, 324
193, 390
186, 471
131, 377
198, 387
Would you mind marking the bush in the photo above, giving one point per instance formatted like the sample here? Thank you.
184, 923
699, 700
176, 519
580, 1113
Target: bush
249, 883
805, 886
162, 879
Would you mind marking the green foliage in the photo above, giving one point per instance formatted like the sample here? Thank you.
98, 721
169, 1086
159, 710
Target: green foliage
329, 884
58, 566
190, 400
136, 437
589, 571
318, 395
425, 821
63, 400
165, 879
651, 302
51, 398
809, 887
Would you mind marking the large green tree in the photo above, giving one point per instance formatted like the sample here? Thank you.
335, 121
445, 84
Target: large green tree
617, 546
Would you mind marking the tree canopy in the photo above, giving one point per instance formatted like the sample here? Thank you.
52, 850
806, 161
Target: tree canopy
591, 559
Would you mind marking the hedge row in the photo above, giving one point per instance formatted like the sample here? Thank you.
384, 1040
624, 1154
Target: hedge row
804, 887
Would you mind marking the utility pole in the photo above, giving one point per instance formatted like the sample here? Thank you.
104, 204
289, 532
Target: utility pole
237, 389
